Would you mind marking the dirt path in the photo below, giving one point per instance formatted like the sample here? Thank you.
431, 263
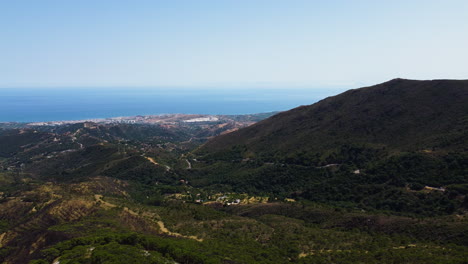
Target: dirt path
166, 231
1, 238
328, 166
98, 198
156, 163
152, 160
189, 165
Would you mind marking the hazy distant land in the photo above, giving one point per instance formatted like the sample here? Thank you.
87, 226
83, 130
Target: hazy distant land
43, 105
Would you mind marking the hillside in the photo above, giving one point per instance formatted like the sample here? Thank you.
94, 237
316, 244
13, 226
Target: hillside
375, 148
400, 114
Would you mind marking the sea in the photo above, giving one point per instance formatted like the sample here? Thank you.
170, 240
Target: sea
59, 104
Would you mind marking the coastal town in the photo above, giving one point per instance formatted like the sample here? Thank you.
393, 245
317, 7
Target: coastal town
162, 119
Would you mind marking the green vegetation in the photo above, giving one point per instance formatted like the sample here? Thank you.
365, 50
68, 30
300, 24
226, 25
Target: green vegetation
375, 149
376, 175
267, 233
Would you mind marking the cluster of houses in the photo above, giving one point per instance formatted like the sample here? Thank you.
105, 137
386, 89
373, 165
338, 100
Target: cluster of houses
227, 201
12, 167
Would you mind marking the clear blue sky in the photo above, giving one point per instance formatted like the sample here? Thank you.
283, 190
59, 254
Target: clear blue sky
226, 43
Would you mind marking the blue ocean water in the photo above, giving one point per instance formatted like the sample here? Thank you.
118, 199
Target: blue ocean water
55, 104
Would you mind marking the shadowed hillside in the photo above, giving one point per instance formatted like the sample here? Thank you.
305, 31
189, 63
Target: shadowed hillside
400, 114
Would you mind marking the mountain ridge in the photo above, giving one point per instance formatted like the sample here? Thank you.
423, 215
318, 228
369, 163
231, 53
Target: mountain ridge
379, 114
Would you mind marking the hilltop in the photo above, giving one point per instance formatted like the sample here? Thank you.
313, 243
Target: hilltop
403, 115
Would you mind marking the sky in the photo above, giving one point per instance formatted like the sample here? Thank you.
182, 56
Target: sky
230, 43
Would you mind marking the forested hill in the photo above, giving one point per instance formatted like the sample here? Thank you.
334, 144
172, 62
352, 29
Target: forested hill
399, 114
